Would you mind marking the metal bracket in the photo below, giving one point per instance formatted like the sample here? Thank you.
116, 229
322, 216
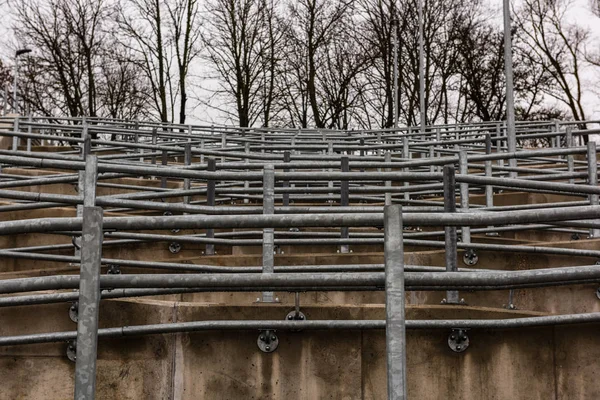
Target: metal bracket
296, 314
74, 312
175, 247
458, 341
267, 341
470, 257
72, 350
113, 269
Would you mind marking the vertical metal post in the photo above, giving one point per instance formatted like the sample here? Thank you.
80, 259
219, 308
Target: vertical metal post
593, 179
450, 231
395, 328
86, 149
557, 137
570, 159
330, 183
268, 233
286, 184
489, 189
210, 201
164, 161
223, 145
422, 70
438, 139
89, 304
246, 161
154, 142
405, 157
510, 99
202, 151
30, 119
432, 156
345, 202
15, 141
187, 159
388, 184
464, 194
499, 143
90, 180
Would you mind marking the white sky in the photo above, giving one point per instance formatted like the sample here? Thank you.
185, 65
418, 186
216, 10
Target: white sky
201, 114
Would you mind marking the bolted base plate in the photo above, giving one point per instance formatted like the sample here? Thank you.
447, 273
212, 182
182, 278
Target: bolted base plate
458, 341
267, 341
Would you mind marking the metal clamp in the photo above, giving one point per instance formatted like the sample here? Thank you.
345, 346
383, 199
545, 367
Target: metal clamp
113, 269
174, 247
72, 350
74, 311
470, 257
458, 341
296, 314
267, 341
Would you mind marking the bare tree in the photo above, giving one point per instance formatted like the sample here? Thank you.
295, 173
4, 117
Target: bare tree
68, 37
556, 47
185, 27
141, 24
315, 23
233, 40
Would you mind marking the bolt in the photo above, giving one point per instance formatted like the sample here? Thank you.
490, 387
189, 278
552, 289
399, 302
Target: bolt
276, 298
268, 348
258, 299
458, 347
262, 338
290, 317
273, 338
452, 337
301, 316
444, 301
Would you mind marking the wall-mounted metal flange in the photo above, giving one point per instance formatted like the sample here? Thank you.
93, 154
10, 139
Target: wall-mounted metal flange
470, 257
458, 341
295, 316
74, 311
72, 350
113, 269
267, 341
174, 247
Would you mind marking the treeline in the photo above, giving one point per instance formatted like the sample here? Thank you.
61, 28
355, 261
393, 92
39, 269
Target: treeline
298, 63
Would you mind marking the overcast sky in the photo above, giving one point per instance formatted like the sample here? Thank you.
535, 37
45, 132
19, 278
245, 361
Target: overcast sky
200, 114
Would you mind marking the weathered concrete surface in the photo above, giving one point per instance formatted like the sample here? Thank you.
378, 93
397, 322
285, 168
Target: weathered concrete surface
533, 363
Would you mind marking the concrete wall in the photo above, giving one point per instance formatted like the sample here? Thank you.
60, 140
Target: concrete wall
534, 363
